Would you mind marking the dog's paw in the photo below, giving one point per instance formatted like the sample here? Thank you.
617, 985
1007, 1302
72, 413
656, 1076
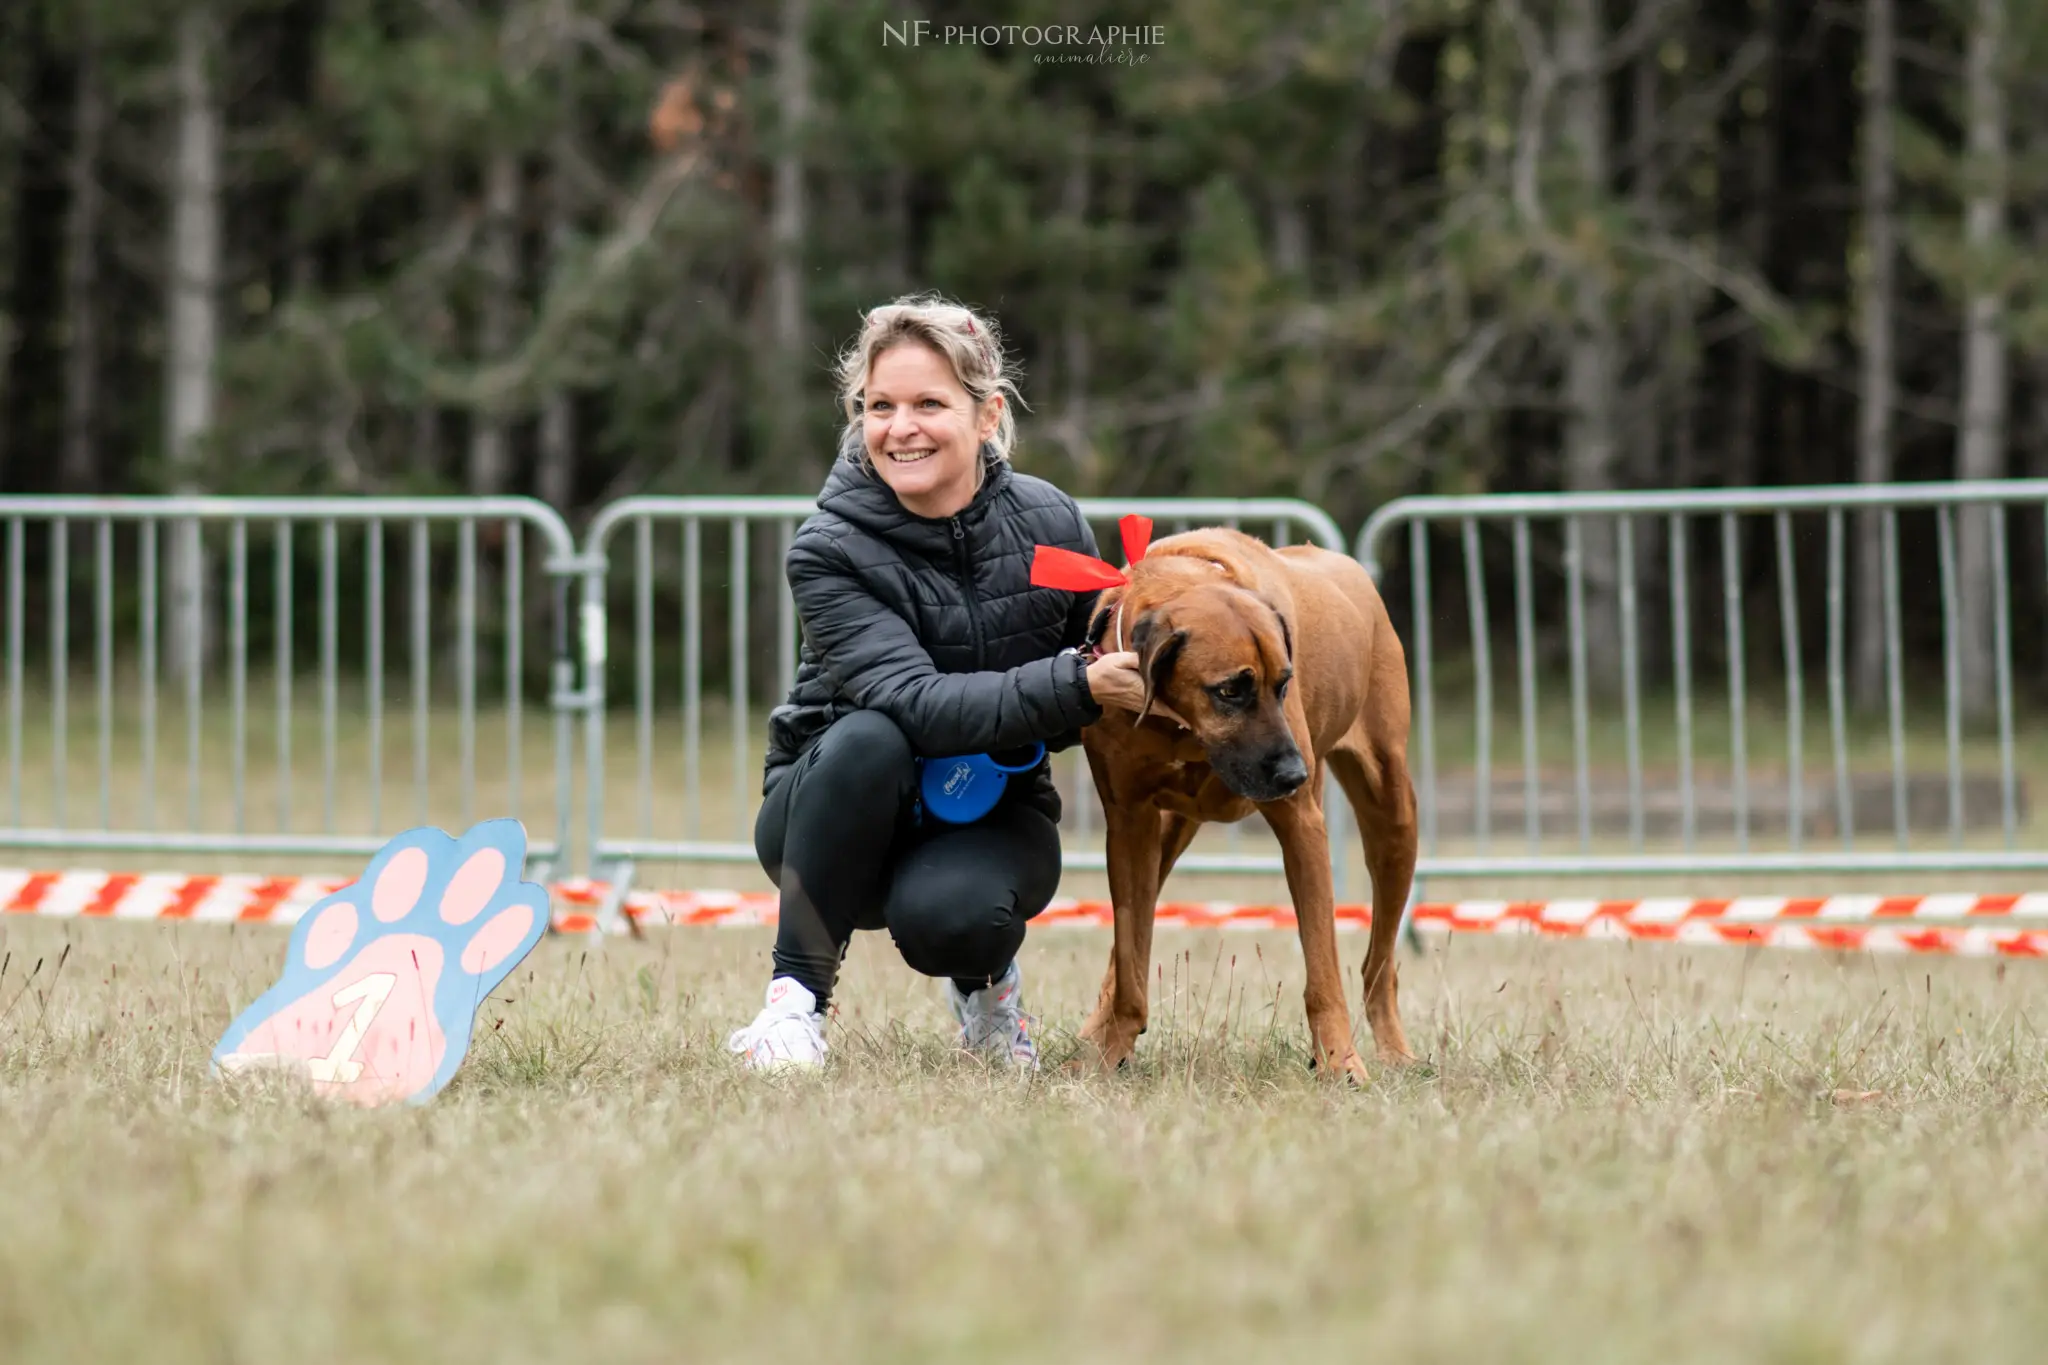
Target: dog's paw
1349, 1068
383, 978
1097, 1059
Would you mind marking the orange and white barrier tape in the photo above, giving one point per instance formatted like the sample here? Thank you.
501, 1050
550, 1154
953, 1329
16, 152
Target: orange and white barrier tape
1967, 925
163, 896
1962, 925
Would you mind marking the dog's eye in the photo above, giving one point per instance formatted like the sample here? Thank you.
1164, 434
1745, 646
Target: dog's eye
1237, 690
1280, 688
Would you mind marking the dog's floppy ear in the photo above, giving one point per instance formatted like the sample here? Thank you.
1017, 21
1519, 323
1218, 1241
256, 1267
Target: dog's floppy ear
1158, 648
1286, 633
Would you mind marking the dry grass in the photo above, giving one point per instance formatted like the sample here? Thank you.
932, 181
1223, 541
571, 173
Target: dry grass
1613, 1154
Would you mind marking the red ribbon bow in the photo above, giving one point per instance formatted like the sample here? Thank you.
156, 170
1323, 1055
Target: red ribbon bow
1052, 567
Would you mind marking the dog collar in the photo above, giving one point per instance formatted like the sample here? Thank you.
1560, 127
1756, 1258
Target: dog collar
1093, 651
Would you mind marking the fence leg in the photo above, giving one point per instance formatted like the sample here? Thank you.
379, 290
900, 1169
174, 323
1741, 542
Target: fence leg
611, 912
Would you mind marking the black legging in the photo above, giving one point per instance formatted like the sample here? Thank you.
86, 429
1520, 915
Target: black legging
836, 836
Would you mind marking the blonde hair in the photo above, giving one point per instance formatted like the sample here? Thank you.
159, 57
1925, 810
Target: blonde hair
967, 340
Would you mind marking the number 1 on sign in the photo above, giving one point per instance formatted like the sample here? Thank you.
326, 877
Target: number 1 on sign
340, 1066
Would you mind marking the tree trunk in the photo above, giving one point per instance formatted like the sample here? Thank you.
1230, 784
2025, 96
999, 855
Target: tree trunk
488, 469
1290, 234
1592, 367
194, 308
1659, 377
786, 227
424, 455
19, 38
1980, 446
490, 461
1343, 193
1077, 360
1874, 426
1757, 144
786, 230
424, 445
79, 466
555, 479
555, 476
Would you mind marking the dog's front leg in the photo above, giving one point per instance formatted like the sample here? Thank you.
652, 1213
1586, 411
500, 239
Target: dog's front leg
1132, 847
1305, 850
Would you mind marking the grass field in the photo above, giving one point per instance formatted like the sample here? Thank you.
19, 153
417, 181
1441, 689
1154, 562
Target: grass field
1612, 1153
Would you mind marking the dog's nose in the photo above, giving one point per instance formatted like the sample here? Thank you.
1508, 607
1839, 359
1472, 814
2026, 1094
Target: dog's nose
1287, 771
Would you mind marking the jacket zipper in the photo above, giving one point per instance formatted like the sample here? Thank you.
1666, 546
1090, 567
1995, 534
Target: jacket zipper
973, 602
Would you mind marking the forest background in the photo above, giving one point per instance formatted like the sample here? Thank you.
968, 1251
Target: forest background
1344, 250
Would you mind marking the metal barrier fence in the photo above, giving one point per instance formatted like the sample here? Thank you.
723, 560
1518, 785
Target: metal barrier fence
1711, 778
668, 538
173, 586
1684, 804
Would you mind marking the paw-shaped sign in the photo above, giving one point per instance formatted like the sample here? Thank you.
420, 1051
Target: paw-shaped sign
383, 978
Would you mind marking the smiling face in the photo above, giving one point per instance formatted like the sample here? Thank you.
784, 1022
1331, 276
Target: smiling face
1222, 658
924, 431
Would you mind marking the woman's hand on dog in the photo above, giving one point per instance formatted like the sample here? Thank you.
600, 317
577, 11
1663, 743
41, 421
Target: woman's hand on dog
1116, 684
1114, 681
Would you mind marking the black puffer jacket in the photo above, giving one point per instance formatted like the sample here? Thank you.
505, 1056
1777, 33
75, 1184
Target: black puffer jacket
935, 624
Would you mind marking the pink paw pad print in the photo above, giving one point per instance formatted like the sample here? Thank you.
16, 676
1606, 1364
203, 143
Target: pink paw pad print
383, 978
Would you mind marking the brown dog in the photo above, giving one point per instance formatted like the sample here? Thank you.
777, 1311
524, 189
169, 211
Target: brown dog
1280, 661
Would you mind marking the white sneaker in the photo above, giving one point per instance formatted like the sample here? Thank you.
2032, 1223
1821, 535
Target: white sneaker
788, 1033
993, 1022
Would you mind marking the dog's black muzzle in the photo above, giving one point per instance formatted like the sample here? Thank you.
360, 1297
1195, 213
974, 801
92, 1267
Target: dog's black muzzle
1265, 773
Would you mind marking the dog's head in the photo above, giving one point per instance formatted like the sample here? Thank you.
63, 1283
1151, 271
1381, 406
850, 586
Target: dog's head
1221, 656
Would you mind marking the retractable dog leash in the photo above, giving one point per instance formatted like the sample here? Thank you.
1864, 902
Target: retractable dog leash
961, 789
